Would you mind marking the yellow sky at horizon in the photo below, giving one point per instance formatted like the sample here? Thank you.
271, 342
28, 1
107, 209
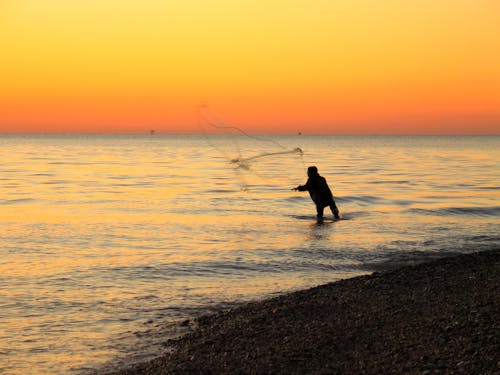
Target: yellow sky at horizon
337, 66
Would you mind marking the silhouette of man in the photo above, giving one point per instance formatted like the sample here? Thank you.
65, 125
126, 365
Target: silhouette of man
320, 192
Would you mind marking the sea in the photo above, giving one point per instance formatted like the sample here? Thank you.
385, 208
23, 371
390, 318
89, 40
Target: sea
108, 243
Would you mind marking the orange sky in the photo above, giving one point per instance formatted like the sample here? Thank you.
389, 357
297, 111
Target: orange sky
280, 66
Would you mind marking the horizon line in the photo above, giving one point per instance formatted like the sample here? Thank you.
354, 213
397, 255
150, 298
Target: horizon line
297, 134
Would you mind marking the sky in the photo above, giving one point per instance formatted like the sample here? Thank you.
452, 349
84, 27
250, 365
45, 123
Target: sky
267, 66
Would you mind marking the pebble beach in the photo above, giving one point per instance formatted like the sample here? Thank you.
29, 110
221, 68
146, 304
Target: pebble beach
437, 317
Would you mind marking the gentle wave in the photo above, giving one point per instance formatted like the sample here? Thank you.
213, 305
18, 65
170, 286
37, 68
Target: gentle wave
325, 262
370, 200
17, 201
459, 211
367, 199
396, 182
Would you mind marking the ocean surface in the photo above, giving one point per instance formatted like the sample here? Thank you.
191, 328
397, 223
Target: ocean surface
108, 242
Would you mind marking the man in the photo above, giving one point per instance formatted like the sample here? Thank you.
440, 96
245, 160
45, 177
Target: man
320, 192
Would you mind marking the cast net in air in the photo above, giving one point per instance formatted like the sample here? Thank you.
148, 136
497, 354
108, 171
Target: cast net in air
258, 160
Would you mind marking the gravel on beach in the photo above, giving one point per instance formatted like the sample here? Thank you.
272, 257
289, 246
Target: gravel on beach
432, 318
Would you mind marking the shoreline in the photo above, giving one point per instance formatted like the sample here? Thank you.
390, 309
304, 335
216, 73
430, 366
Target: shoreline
440, 316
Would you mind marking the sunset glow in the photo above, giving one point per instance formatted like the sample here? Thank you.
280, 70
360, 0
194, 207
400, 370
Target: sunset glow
318, 67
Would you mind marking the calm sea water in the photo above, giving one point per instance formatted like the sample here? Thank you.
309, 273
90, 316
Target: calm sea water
108, 241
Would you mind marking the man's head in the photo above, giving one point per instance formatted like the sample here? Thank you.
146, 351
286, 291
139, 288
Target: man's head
312, 171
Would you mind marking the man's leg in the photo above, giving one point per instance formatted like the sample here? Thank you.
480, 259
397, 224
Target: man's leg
319, 210
335, 210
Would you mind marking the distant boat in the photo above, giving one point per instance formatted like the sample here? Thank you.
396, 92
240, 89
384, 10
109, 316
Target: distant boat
152, 132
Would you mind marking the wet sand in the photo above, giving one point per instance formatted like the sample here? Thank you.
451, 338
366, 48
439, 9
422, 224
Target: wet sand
437, 317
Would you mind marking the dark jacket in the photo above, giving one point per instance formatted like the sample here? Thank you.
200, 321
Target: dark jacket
318, 190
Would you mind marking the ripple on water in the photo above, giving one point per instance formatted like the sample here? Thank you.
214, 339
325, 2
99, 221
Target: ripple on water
458, 211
